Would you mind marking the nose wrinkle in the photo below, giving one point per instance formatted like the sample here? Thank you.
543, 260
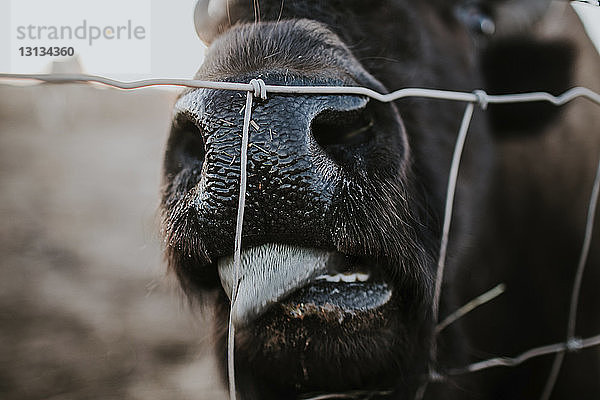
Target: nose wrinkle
291, 181
280, 172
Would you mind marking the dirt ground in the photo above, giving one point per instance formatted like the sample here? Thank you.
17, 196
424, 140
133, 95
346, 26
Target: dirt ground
86, 309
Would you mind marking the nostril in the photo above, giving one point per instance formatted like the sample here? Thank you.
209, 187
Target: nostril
342, 127
340, 133
186, 145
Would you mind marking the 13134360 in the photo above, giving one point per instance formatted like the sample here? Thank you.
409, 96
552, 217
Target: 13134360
50, 51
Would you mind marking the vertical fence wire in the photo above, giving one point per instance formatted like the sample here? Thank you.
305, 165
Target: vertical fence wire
441, 264
237, 254
585, 249
448, 209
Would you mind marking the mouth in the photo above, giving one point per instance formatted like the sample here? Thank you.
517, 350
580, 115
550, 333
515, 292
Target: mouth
303, 281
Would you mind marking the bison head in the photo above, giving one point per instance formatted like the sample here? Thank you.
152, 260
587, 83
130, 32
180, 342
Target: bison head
345, 194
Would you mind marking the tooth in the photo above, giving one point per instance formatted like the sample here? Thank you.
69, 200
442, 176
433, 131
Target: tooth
329, 278
348, 278
362, 277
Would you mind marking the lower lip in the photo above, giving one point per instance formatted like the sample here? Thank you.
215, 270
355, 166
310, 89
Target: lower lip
322, 297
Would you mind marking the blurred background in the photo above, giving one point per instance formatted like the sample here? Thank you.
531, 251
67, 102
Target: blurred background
170, 48
86, 308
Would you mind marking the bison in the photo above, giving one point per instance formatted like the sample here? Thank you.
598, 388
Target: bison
345, 195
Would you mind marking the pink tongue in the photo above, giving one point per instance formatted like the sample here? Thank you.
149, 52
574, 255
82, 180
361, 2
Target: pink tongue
268, 273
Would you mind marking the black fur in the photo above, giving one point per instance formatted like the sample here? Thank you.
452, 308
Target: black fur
379, 198
521, 64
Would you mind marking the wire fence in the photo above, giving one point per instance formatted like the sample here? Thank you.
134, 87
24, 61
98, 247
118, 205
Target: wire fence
257, 88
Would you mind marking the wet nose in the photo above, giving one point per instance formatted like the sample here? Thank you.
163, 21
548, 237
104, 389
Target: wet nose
300, 147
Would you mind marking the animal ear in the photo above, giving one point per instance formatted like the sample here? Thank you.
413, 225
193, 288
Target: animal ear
211, 17
502, 17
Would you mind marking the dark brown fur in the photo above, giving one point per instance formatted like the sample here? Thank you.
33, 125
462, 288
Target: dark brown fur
521, 199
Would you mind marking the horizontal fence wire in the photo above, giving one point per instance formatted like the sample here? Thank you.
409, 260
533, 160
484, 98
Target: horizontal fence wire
258, 88
478, 96
571, 346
